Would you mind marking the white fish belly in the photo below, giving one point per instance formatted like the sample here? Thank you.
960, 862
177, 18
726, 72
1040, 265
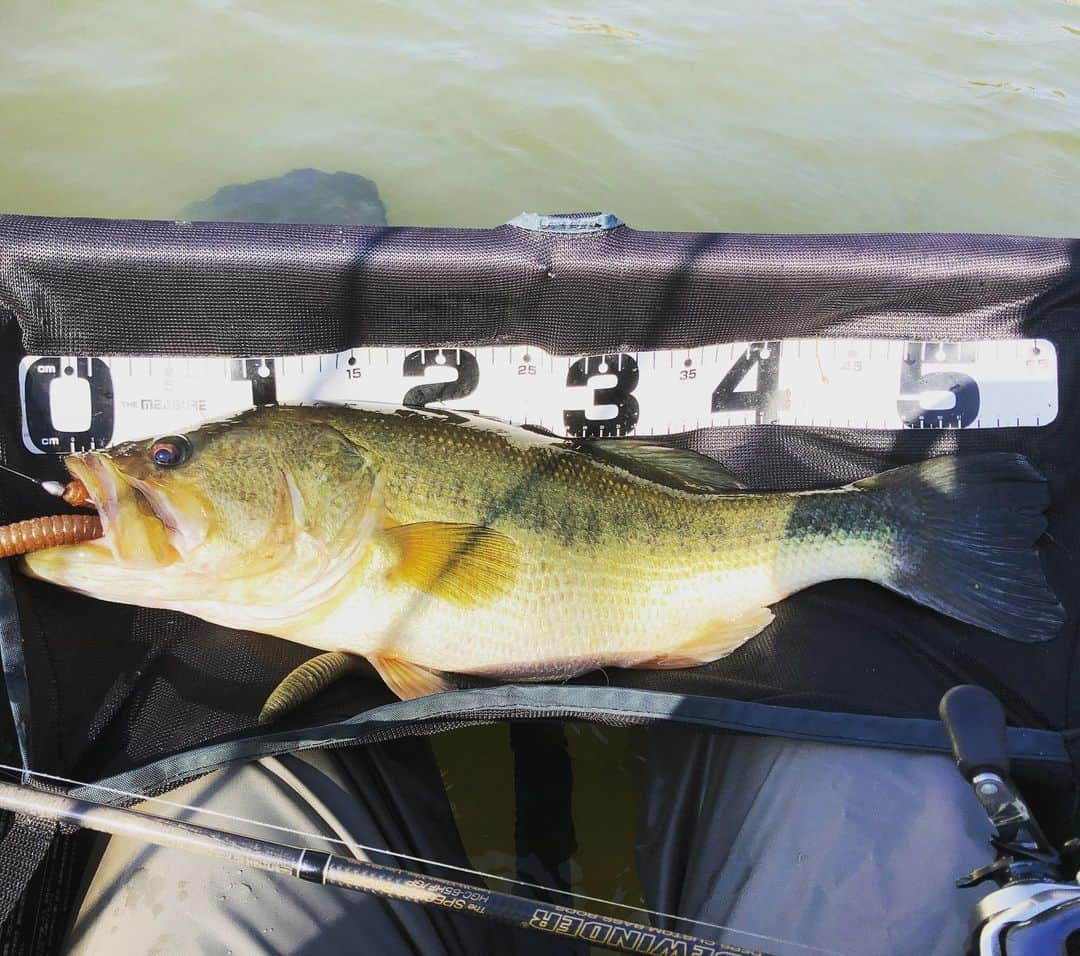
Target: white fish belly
559, 622
569, 626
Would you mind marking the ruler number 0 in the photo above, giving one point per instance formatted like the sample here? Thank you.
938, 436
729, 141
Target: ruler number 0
67, 404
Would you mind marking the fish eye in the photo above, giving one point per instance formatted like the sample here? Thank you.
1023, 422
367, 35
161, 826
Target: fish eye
170, 452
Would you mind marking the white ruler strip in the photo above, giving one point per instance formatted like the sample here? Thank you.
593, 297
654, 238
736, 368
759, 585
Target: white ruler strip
76, 403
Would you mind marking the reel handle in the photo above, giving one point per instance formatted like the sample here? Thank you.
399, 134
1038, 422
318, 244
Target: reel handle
975, 721
1037, 903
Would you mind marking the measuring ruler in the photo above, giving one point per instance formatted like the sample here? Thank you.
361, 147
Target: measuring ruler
77, 403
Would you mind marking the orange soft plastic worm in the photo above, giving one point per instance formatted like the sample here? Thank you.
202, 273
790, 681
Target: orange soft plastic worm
47, 532
76, 495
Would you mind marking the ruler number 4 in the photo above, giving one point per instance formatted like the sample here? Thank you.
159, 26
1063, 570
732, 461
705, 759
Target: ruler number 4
764, 359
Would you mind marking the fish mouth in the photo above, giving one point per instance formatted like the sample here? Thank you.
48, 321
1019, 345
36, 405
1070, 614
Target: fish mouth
137, 523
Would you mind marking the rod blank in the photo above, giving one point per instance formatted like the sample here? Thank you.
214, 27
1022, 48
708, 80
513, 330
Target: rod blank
331, 870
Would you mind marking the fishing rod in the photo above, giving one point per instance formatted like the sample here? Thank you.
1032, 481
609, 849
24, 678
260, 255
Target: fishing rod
329, 869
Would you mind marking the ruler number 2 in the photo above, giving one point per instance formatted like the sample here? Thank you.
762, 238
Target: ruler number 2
416, 364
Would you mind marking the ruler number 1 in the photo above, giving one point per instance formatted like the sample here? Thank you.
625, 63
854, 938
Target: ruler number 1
261, 373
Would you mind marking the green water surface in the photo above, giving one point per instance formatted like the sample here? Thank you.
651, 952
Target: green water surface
829, 116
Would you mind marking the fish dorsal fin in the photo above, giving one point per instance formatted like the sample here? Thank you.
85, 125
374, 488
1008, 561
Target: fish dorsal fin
541, 430
463, 563
675, 467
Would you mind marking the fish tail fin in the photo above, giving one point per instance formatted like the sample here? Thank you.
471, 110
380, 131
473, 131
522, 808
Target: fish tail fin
963, 543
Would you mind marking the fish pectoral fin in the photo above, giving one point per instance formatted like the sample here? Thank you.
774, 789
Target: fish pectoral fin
409, 680
716, 639
303, 683
462, 563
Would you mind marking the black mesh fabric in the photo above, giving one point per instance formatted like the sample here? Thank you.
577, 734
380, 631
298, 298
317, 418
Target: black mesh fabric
112, 688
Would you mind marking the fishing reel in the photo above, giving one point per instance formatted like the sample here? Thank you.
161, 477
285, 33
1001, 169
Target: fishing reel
1035, 911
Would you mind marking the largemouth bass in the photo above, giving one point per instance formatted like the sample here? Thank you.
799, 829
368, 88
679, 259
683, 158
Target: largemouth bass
434, 543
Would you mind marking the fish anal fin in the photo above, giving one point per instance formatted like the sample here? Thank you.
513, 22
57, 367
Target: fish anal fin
716, 639
303, 683
408, 680
463, 563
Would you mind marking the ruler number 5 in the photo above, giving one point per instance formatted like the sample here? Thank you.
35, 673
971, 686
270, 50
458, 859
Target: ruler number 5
919, 386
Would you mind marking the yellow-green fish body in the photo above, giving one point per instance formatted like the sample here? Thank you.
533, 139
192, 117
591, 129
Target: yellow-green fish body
431, 542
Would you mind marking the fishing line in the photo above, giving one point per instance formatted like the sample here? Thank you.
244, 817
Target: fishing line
54, 488
275, 766
351, 846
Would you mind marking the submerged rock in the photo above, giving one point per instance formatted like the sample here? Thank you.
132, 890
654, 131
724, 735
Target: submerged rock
302, 195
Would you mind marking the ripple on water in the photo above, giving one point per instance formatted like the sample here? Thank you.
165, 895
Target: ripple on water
585, 25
